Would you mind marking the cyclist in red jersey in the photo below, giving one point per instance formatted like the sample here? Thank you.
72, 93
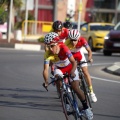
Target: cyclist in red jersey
60, 30
75, 44
65, 63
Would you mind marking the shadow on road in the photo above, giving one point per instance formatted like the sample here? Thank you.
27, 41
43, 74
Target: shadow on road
29, 98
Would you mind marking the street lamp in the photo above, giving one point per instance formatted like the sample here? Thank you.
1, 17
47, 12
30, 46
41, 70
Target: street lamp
79, 14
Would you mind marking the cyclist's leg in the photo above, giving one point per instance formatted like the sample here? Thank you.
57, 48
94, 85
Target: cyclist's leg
58, 72
85, 71
78, 91
81, 96
88, 79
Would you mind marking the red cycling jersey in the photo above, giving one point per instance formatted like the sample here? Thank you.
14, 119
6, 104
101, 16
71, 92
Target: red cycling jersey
63, 55
64, 52
63, 35
76, 50
81, 42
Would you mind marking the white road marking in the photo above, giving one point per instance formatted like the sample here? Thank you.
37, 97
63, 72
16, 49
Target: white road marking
102, 79
96, 64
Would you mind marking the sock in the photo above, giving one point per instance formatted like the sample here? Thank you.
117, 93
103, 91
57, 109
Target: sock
91, 89
84, 103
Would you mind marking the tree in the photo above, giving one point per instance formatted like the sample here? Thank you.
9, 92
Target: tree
5, 8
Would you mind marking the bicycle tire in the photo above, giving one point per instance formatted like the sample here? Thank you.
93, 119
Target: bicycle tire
86, 92
72, 114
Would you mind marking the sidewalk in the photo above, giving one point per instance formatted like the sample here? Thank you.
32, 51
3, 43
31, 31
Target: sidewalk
19, 45
35, 46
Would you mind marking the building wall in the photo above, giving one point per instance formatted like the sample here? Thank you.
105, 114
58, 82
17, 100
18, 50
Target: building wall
61, 10
92, 10
83, 12
45, 10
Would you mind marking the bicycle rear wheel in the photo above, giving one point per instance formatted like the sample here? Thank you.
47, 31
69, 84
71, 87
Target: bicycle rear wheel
71, 114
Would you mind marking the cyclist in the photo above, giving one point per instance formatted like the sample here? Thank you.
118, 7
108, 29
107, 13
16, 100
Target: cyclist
62, 32
67, 25
64, 62
74, 44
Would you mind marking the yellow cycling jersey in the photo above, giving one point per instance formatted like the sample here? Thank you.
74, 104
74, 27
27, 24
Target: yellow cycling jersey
69, 44
48, 56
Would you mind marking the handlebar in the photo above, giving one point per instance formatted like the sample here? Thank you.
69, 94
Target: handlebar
82, 62
53, 80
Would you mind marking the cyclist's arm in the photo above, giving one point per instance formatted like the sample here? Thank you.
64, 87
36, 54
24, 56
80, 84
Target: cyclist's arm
46, 73
87, 47
74, 64
46, 66
89, 53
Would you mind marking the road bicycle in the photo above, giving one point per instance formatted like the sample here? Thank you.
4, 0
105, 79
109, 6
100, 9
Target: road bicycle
68, 97
83, 84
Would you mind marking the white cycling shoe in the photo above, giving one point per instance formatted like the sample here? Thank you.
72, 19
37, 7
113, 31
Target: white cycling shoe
93, 97
88, 114
68, 107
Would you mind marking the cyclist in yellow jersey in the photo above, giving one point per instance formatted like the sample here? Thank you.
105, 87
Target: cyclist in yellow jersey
64, 62
75, 43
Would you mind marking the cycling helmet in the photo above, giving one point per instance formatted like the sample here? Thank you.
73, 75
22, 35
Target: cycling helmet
51, 37
67, 24
57, 25
74, 34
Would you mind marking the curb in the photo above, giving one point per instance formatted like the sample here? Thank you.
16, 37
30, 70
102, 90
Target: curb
113, 69
23, 46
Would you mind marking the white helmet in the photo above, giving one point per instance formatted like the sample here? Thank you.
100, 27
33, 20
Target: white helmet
50, 37
74, 34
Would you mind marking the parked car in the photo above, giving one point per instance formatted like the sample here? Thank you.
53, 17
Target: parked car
95, 33
112, 41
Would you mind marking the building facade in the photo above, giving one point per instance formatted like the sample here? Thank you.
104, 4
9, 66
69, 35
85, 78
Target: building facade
92, 10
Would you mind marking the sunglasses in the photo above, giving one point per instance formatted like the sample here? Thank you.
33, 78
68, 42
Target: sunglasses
51, 46
73, 40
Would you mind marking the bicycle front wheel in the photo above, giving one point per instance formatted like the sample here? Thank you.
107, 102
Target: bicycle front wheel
70, 113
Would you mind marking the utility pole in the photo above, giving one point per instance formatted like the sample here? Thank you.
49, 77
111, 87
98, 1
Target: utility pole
79, 14
55, 10
10, 6
36, 15
26, 19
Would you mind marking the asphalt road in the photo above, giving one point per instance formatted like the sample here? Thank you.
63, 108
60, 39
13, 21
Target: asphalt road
22, 96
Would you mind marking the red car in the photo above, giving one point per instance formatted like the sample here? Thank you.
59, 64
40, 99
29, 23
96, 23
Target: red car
112, 41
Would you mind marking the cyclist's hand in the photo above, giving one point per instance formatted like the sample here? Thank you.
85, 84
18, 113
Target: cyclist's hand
72, 75
45, 85
91, 60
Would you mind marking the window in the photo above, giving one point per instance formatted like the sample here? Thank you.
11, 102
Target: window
106, 4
